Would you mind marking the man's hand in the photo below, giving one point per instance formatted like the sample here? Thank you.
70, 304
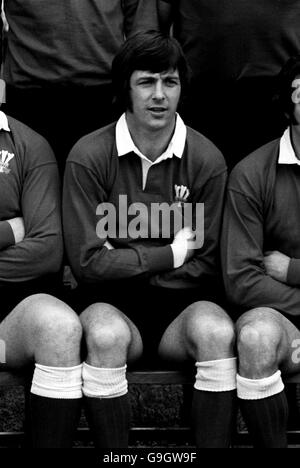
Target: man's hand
17, 225
277, 265
183, 246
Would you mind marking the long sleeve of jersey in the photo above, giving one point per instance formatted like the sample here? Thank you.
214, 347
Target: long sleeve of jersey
139, 15
90, 260
146, 17
129, 8
166, 13
205, 263
293, 276
40, 252
6, 235
246, 281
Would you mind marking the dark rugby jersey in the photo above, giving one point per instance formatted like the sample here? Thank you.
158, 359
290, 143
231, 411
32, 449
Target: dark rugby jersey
63, 41
96, 174
29, 188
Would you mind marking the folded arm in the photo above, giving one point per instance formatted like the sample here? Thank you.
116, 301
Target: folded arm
7, 235
37, 250
90, 255
248, 281
204, 263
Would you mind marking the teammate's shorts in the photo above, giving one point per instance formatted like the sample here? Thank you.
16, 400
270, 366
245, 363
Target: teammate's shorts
12, 294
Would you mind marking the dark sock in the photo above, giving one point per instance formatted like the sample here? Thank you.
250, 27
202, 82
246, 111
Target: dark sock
291, 392
53, 421
213, 418
109, 420
266, 420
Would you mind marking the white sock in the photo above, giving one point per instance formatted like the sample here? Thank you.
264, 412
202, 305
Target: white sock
251, 389
99, 382
216, 376
57, 382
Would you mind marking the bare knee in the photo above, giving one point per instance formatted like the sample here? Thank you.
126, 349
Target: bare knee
258, 341
107, 335
52, 329
210, 332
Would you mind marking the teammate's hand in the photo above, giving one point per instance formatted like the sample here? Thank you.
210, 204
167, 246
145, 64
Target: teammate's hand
277, 265
183, 246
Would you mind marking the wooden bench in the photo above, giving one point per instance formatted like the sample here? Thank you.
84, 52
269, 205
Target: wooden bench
177, 435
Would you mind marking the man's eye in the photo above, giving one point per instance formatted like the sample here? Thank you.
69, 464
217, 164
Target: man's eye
145, 83
171, 82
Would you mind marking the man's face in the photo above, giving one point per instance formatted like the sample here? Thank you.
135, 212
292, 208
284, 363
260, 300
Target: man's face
154, 98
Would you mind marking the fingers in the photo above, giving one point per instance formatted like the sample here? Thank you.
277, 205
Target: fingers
185, 233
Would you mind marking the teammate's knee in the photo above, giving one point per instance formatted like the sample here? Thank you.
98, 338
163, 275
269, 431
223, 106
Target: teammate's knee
258, 342
105, 330
209, 326
52, 330
53, 318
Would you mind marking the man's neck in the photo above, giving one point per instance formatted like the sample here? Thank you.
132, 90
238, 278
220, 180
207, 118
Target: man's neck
150, 143
295, 139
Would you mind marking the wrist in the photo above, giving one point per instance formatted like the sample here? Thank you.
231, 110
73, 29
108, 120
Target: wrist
17, 226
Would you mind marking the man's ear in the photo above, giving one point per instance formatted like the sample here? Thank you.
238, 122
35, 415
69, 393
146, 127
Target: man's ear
296, 92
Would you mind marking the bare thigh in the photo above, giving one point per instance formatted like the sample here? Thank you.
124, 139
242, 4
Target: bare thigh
202, 332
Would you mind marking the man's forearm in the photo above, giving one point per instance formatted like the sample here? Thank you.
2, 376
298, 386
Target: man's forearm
165, 15
12, 231
293, 274
31, 258
7, 237
107, 263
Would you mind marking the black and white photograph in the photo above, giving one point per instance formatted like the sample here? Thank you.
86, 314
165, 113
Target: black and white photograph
149, 229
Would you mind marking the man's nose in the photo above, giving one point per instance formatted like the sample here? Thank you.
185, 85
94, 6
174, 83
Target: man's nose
159, 93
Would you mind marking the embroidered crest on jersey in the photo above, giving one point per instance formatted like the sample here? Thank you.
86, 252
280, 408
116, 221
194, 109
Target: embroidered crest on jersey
181, 194
5, 158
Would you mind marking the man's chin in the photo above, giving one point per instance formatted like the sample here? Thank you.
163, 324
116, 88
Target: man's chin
156, 126
161, 123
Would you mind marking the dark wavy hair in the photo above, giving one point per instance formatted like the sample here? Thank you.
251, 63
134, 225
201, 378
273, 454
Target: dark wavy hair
288, 73
147, 51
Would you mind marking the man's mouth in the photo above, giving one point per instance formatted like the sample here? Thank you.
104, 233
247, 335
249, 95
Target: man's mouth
157, 110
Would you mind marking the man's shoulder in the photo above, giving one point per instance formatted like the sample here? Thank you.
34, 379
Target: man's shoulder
258, 163
204, 153
23, 134
254, 175
29, 144
94, 147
